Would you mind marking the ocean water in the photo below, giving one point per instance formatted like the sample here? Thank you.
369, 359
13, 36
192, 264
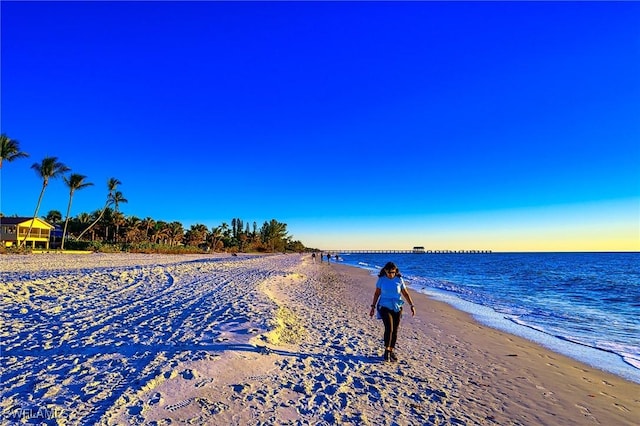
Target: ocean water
583, 305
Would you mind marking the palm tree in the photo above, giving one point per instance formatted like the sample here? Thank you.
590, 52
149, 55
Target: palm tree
74, 182
196, 235
77, 224
274, 233
117, 199
148, 223
159, 232
117, 219
175, 233
133, 232
49, 168
10, 149
103, 226
53, 217
226, 234
112, 184
216, 237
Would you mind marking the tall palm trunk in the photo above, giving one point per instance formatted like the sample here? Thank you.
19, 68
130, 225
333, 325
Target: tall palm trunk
95, 221
49, 168
66, 221
74, 182
35, 215
112, 185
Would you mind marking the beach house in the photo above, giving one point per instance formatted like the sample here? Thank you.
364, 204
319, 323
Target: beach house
14, 229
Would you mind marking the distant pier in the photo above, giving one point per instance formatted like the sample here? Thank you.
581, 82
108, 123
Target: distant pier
409, 251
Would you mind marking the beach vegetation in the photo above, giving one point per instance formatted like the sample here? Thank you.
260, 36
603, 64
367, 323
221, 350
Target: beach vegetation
175, 233
116, 232
112, 185
75, 182
15, 249
196, 235
49, 168
54, 217
274, 235
10, 149
110, 230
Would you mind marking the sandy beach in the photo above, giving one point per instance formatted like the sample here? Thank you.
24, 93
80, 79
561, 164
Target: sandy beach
123, 339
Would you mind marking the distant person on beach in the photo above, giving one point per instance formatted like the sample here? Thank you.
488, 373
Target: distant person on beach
390, 289
313, 257
328, 257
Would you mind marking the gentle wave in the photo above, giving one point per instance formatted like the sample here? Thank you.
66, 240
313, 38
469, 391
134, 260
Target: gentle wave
570, 302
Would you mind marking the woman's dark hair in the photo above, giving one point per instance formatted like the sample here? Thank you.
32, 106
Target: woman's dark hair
390, 266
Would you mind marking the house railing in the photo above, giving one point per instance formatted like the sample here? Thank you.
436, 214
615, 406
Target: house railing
35, 233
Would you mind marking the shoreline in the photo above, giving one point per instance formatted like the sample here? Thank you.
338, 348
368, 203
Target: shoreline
606, 361
269, 340
618, 362
530, 371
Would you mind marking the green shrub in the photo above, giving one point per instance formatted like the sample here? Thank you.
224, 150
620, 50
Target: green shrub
82, 245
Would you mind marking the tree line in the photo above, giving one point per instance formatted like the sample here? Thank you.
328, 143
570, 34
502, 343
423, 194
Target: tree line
108, 229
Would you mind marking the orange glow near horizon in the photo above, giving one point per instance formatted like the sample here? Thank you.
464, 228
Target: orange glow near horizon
603, 227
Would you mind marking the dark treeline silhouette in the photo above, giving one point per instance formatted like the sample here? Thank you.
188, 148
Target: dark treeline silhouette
108, 229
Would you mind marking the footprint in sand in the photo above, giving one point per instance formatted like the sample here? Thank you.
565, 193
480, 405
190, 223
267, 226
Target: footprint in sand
188, 374
204, 382
585, 411
181, 404
621, 408
135, 410
241, 387
211, 407
341, 367
358, 383
156, 398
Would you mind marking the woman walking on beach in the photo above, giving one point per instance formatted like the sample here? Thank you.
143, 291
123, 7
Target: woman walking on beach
390, 289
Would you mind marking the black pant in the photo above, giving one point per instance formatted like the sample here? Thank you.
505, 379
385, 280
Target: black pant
391, 321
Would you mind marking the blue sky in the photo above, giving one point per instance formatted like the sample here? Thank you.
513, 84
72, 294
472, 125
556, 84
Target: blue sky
453, 125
